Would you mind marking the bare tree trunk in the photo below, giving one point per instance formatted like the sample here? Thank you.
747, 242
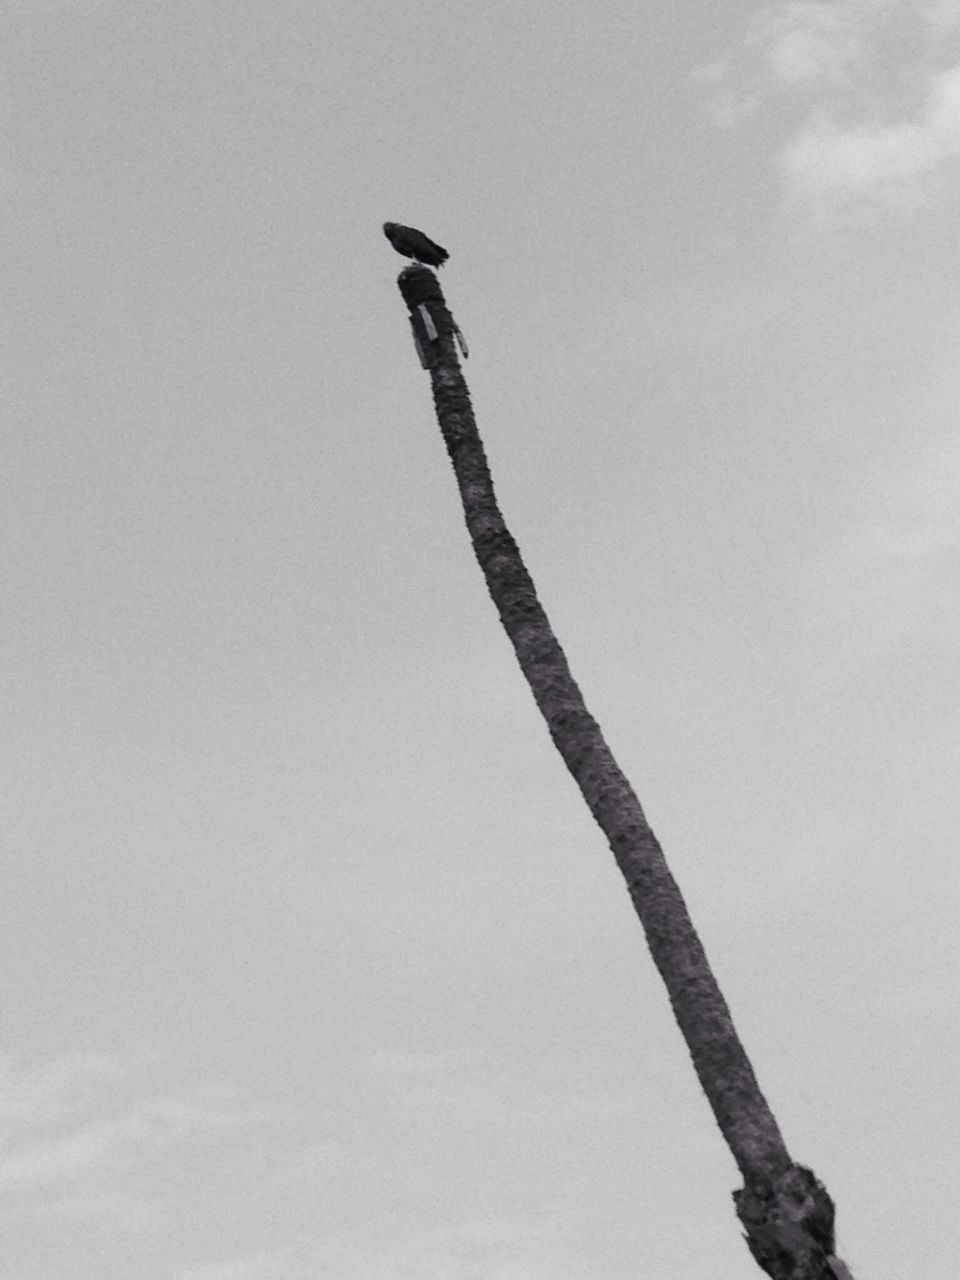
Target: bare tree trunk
786, 1213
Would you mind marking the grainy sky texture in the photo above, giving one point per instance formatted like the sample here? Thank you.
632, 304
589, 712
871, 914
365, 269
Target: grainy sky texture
315, 965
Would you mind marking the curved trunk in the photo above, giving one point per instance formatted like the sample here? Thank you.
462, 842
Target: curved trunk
787, 1214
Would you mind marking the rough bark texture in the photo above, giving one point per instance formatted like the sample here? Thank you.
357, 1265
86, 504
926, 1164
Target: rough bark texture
786, 1213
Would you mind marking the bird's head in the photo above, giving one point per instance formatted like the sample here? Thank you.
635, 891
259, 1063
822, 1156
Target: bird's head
389, 226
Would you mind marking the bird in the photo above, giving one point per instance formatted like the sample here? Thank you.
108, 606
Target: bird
414, 244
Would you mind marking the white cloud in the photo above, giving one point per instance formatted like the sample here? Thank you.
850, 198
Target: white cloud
790, 49
943, 13
857, 148
828, 163
806, 44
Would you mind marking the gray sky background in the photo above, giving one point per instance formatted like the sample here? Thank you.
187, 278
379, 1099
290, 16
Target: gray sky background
315, 965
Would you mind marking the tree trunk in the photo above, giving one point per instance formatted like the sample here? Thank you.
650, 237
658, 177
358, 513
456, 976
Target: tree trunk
786, 1213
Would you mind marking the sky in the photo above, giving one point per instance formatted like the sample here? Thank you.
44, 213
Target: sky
315, 964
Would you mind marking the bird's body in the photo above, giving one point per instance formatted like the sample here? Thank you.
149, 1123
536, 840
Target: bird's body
414, 244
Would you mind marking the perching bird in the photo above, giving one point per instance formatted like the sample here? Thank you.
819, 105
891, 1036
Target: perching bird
414, 244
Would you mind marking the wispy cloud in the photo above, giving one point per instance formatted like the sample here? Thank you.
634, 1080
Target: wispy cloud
480, 1249
113, 1206
411, 1062
264, 1265
891, 576
38, 1164
921, 1000
50, 1092
70, 1127
492, 1248
452, 1105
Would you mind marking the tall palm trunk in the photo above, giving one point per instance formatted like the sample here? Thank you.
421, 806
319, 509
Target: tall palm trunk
786, 1213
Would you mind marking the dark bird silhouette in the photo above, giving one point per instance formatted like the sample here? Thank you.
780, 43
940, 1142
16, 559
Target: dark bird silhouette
414, 244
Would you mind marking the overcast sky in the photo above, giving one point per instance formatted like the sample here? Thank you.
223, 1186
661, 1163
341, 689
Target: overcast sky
315, 964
